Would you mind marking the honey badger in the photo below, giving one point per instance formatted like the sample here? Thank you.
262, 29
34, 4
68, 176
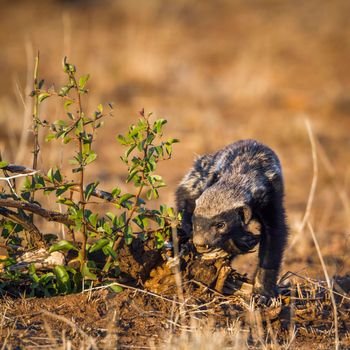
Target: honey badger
223, 193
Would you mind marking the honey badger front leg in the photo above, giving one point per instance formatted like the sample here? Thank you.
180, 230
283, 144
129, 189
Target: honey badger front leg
191, 188
185, 203
272, 244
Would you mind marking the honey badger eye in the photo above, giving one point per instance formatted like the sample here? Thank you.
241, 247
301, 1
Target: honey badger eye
220, 225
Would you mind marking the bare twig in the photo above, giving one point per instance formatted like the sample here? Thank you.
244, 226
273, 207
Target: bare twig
141, 291
8, 178
314, 178
330, 287
24, 170
313, 184
177, 274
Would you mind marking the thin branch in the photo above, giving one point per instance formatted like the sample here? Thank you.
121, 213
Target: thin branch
82, 167
36, 122
36, 114
36, 209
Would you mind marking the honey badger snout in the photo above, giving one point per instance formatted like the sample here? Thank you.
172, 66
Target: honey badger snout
204, 234
203, 240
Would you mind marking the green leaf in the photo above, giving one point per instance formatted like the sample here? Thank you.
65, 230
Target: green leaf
90, 189
125, 197
122, 140
159, 240
60, 122
115, 288
70, 116
116, 192
71, 68
27, 183
169, 149
77, 170
64, 91
63, 279
107, 228
130, 149
32, 273
67, 139
61, 190
110, 216
87, 274
171, 141
62, 245
93, 219
3, 164
66, 201
83, 80
158, 124
100, 108
43, 96
132, 175
108, 250
50, 137
57, 175
39, 181
128, 235
67, 103
79, 127
149, 194
50, 175
122, 219
99, 245
90, 158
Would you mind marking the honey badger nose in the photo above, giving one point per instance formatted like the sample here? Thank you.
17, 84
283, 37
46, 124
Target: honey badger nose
199, 240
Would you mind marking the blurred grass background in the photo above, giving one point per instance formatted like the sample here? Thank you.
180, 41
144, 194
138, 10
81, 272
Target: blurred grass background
218, 71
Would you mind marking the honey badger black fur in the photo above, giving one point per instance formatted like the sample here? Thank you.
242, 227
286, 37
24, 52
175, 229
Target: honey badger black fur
223, 193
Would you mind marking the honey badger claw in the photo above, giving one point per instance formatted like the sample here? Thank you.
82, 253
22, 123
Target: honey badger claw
226, 191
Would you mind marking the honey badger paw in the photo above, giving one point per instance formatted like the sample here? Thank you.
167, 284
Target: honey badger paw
265, 283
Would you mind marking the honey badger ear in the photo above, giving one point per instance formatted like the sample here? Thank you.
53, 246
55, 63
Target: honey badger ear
245, 213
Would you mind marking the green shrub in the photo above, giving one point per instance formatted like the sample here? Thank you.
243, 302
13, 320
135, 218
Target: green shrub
101, 234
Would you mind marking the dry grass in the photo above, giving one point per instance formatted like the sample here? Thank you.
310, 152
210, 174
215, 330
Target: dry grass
218, 72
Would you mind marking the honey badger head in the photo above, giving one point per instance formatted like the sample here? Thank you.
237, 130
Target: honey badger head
220, 221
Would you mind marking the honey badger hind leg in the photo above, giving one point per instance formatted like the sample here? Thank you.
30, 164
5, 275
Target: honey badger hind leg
273, 240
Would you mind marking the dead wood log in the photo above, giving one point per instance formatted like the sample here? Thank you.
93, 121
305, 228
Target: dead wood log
35, 235
41, 259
